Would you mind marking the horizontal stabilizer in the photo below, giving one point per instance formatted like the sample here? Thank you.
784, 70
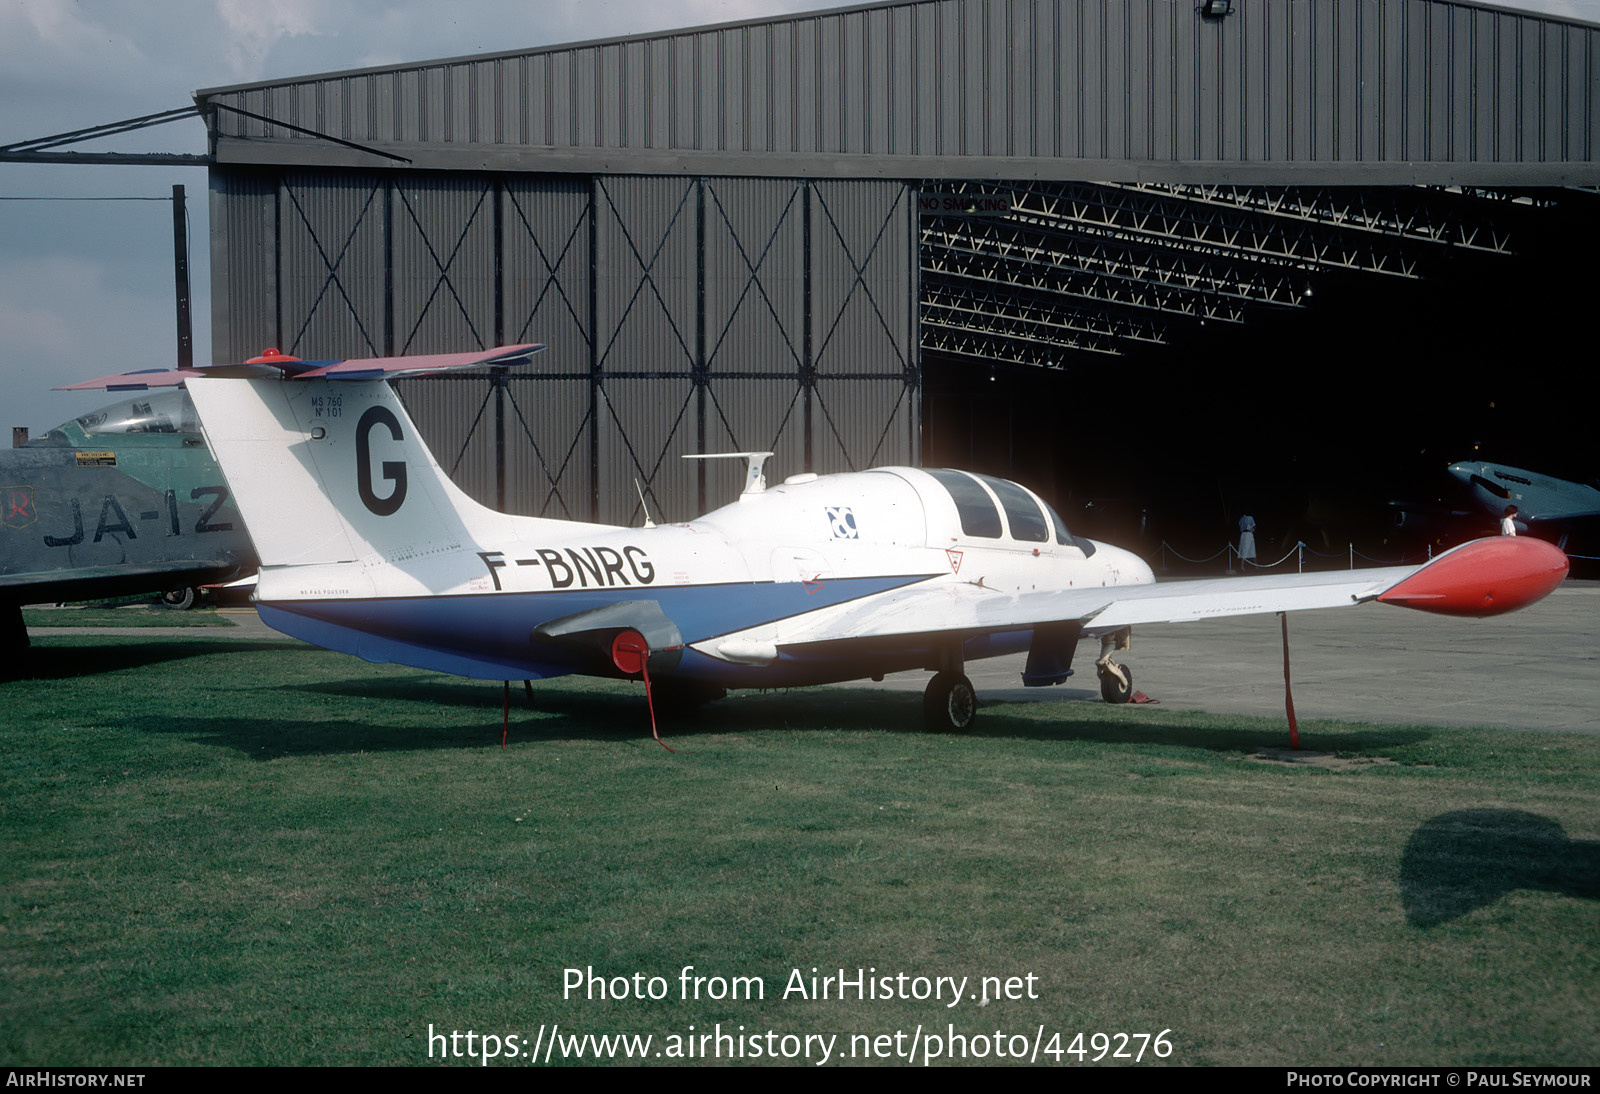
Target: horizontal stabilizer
274, 364
141, 380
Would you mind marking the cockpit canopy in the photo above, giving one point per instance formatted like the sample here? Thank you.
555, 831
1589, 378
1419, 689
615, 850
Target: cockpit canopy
1028, 518
168, 412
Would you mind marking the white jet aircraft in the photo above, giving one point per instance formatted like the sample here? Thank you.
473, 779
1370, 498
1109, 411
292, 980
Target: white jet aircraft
366, 546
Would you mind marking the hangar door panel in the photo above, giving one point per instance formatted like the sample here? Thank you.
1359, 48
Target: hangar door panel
332, 287
755, 286
862, 257
444, 269
646, 280
545, 424
244, 292
549, 473
646, 425
545, 232
863, 425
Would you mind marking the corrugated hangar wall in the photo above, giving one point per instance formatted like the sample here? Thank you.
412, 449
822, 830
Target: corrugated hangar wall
682, 315
1396, 91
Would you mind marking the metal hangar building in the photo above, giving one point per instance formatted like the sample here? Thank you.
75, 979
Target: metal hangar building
1187, 256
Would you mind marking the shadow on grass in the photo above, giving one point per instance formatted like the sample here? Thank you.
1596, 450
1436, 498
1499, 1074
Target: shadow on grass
405, 715
1092, 720
270, 739
120, 653
1458, 862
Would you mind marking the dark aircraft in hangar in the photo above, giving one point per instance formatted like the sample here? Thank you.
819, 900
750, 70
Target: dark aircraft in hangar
1555, 509
126, 499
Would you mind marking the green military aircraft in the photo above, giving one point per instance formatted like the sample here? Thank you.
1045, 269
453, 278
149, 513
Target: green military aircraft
124, 500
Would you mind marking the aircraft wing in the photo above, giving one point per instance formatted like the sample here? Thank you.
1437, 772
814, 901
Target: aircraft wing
398, 368
138, 380
1483, 577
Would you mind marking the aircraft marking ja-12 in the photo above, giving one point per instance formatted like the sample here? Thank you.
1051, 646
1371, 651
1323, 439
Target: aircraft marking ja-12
125, 499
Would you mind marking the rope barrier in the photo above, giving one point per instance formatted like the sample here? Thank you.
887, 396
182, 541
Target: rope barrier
1269, 565
1165, 546
1298, 551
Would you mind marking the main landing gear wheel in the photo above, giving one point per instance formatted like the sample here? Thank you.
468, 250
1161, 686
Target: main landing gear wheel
949, 705
180, 599
1116, 682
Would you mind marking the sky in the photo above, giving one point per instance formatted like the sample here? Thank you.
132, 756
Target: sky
86, 286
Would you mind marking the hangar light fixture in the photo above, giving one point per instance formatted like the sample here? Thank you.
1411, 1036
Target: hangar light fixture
1216, 9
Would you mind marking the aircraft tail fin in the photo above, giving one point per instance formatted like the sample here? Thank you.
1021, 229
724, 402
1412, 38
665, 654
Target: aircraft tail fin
331, 469
327, 472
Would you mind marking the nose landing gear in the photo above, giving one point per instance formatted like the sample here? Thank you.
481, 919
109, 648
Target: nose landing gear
1116, 681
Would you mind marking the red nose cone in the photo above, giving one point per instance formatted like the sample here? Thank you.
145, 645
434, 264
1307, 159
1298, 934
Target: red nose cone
1484, 577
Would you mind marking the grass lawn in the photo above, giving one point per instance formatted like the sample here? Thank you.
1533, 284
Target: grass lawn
252, 852
132, 615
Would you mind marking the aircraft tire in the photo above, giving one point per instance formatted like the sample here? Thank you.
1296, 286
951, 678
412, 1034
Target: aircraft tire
1113, 690
181, 599
950, 705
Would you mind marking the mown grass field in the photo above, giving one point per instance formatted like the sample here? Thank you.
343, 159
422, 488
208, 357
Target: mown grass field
130, 615
239, 852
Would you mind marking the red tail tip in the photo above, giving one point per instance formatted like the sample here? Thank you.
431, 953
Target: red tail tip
271, 357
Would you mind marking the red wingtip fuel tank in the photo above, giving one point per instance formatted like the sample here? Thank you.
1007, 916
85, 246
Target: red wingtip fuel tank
1485, 577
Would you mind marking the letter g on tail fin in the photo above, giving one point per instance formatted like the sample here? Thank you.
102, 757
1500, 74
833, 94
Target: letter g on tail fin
334, 471
331, 471
393, 470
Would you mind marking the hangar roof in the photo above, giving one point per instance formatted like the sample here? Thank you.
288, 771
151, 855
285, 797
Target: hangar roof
1339, 92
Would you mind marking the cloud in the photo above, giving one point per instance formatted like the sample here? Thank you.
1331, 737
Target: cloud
57, 25
254, 27
49, 44
41, 331
36, 316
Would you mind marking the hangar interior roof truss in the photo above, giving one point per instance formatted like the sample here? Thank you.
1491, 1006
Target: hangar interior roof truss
1099, 268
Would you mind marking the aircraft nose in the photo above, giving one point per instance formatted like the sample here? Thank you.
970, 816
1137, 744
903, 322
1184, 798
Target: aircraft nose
1128, 567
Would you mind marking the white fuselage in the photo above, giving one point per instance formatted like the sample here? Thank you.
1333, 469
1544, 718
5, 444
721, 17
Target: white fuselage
773, 569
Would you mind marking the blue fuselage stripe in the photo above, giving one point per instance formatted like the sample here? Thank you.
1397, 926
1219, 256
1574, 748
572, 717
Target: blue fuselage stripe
487, 635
